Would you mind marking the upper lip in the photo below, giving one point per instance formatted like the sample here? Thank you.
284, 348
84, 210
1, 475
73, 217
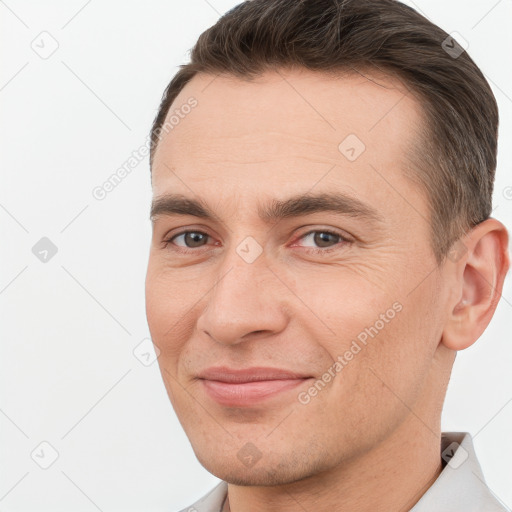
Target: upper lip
256, 373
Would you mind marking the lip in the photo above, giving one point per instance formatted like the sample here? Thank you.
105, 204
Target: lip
246, 387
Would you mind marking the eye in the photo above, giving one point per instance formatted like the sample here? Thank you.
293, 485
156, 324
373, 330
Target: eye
324, 240
191, 239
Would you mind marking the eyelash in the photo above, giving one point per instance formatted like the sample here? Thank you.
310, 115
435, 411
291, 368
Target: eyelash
313, 250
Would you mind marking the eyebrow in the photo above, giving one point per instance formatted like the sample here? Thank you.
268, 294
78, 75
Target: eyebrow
295, 206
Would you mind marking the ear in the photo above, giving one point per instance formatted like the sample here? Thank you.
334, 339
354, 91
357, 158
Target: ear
478, 264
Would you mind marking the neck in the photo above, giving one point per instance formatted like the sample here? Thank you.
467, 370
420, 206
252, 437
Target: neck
394, 475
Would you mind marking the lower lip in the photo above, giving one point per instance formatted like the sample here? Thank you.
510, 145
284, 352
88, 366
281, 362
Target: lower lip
247, 393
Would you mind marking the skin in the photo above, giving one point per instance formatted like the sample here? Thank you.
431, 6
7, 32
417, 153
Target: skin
370, 439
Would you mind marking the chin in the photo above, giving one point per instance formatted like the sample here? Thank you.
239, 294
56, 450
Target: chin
261, 474
252, 477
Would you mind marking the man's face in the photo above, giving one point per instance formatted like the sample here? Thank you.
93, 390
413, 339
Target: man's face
243, 291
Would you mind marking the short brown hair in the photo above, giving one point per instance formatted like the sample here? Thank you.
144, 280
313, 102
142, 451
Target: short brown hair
455, 158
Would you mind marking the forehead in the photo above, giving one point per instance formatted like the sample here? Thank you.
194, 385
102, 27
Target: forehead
288, 128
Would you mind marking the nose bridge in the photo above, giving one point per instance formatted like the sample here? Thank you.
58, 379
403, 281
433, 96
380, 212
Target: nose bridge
242, 299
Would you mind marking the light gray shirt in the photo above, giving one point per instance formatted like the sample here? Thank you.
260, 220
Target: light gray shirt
460, 487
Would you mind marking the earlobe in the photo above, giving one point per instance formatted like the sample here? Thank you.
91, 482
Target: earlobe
478, 278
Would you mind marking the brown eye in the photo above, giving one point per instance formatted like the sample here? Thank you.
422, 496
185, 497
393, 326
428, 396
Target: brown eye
190, 239
322, 239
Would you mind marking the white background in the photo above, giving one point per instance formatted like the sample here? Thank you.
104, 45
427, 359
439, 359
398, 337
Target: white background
69, 326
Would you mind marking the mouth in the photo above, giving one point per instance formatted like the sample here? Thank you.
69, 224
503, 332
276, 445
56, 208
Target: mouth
243, 388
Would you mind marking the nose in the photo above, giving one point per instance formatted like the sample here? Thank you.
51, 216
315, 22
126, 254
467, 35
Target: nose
246, 301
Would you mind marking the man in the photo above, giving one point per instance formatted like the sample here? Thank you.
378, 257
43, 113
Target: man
322, 247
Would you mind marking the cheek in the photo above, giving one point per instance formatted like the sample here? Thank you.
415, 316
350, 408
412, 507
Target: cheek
167, 303
166, 307
341, 301
382, 336
377, 377
395, 362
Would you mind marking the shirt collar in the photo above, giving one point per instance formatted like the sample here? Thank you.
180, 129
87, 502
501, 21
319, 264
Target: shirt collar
461, 484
